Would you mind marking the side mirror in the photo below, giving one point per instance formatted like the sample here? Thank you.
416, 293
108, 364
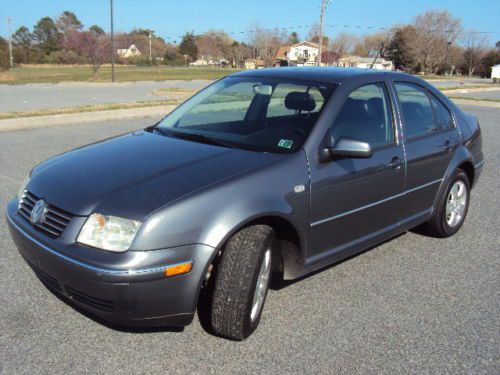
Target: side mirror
344, 147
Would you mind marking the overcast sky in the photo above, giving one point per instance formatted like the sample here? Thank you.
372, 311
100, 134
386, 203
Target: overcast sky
171, 18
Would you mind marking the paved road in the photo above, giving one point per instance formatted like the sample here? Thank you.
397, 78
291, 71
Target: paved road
413, 305
42, 96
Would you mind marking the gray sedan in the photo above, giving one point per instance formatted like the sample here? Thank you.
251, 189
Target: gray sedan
268, 173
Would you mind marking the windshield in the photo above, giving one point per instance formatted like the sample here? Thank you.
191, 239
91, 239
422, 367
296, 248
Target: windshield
259, 114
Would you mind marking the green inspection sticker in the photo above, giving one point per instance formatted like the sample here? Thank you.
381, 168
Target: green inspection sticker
285, 143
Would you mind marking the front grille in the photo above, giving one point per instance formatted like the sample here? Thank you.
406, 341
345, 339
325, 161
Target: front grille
54, 220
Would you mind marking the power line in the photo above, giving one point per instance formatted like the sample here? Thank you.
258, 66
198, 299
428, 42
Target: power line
345, 26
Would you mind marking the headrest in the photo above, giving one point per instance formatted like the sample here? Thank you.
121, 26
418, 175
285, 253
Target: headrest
300, 101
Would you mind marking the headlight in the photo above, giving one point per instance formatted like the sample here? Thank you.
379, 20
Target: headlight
22, 189
108, 232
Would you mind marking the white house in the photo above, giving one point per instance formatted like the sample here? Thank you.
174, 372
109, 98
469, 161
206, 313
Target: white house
495, 73
303, 54
365, 62
130, 51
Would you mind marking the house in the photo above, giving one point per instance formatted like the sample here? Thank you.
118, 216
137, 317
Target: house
365, 62
130, 51
255, 64
495, 73
281, 58
303, 54
209, 61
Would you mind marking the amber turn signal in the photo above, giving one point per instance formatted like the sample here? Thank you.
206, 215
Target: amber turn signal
178, 269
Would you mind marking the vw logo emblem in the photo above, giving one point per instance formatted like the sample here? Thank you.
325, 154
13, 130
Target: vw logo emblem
38, 211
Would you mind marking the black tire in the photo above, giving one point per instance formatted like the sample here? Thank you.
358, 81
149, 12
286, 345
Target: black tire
236, 282
438, 225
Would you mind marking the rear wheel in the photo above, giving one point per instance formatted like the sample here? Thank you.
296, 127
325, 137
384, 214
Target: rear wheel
453, 207
242, 282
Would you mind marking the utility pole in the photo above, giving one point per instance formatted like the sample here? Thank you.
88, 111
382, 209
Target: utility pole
448, 43
112, 45
9, 22
150, 56
324, 4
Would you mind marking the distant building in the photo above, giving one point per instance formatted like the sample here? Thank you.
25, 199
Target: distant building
130, 51
209, 61
255, 64
365, 62
300, 54
281, 58
303, 54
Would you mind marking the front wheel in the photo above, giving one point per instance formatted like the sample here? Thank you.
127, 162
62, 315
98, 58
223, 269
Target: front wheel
242, 282
453, 207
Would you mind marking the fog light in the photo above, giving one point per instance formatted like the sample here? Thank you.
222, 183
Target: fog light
178, 269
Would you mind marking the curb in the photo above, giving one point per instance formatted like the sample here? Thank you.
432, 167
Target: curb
35, 122
481, 103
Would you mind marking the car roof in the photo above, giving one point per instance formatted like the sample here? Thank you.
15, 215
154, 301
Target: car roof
319, 74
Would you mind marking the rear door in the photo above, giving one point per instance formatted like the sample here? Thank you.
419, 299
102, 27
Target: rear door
430, 138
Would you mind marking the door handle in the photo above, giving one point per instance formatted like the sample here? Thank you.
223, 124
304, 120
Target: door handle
449, 146
395, 163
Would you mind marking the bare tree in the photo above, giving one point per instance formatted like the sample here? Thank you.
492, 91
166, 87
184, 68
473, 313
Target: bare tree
343, 44
435, 30
475, 48
265, 42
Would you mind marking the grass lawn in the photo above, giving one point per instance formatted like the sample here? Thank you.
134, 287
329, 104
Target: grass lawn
123, 73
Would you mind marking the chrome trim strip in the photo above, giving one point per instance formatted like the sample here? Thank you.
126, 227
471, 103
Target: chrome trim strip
319, 222
88, 266
479, 165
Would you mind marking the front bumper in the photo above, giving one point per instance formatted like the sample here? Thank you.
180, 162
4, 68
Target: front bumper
128, 289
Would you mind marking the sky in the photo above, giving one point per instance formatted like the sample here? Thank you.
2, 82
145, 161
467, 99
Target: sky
171, 18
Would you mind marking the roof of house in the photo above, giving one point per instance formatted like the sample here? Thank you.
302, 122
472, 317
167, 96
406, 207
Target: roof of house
282, 52
366, 60
310, 44
258, 62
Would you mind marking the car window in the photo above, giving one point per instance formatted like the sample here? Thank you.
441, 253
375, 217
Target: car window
443, 116
252, 113
227, 105
417, 110
277, 106
365, 116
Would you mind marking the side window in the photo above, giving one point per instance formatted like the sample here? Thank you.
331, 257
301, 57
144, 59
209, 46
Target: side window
277, 107
365, 116
417, 110
443, 116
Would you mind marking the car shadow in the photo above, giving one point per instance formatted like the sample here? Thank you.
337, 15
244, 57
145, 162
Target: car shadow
277, 282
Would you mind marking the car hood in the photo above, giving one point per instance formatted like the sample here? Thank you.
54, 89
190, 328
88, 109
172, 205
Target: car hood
133, 175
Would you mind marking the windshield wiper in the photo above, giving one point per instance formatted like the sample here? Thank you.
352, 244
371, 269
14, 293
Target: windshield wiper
197, 137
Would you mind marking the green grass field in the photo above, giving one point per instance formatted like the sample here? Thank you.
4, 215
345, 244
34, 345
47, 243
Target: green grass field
123, 73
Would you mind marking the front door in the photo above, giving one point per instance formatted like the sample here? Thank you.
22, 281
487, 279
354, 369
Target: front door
355, 201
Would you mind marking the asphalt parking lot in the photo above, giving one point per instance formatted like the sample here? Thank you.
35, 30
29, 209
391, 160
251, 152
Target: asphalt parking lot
413, 305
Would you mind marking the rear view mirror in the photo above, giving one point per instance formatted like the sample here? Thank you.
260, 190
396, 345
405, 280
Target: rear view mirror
344, 147
263, 89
